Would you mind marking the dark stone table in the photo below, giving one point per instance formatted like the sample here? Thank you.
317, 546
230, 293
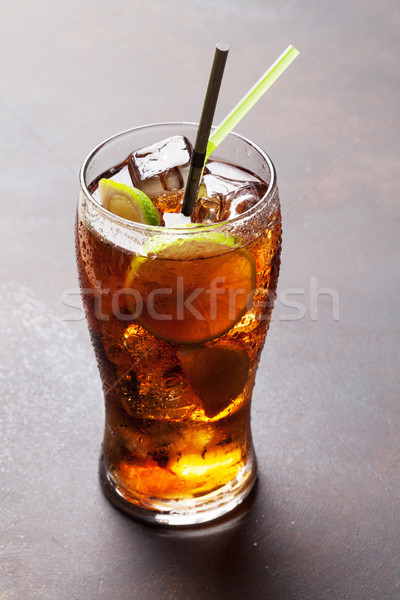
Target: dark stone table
324, 520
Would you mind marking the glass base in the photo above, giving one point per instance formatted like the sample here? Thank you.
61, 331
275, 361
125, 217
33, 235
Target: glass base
186, 512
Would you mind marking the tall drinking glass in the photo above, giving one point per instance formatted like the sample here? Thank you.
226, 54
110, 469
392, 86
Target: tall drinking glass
178, 319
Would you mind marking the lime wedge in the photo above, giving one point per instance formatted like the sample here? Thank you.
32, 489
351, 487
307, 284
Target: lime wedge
128, 202
217, 375
192, 291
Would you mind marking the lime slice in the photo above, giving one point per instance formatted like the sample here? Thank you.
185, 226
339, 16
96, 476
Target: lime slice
128, 202
191, 291
217, 375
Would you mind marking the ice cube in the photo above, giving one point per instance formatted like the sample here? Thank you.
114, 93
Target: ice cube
208, 210
120, 176
161, 167
242, 199
226, 192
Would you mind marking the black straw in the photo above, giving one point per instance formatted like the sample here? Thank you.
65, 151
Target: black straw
203, 132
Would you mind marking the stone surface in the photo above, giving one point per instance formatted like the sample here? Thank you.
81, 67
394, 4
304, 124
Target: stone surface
323, 523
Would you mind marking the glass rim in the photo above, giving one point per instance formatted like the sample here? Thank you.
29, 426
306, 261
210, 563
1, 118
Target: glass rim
185, 231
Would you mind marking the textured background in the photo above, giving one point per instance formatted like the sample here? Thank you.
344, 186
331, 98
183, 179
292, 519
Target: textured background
324, 521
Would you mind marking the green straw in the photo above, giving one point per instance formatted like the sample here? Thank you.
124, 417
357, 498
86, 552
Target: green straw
252, 96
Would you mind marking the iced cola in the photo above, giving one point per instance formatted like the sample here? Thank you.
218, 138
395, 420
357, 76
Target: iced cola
178, 309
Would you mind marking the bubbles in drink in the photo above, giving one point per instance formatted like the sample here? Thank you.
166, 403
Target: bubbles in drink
161, 167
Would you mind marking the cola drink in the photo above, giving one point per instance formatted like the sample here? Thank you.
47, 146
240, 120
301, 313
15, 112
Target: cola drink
178, 315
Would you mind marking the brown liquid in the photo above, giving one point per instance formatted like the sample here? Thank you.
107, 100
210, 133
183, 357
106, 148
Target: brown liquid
177, 413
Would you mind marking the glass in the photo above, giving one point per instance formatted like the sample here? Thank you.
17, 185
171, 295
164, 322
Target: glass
177, 446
